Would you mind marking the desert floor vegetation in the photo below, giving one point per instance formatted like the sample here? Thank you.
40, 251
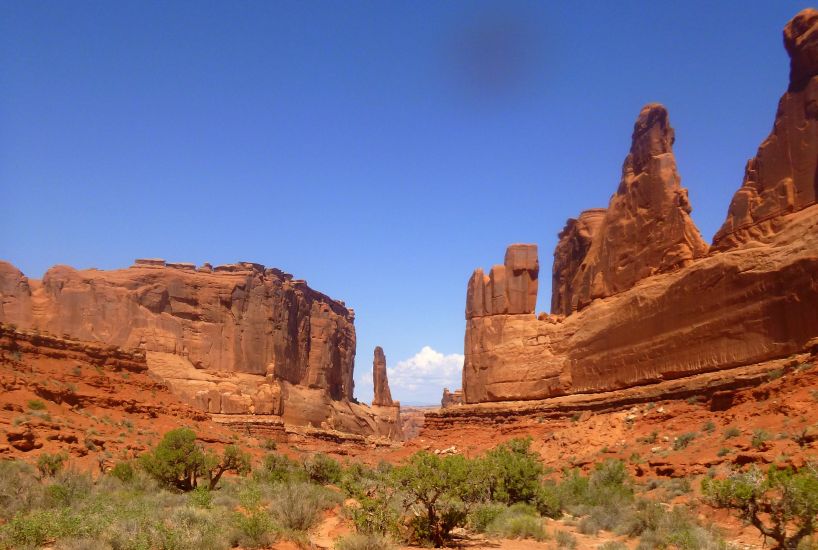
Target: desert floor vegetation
181, 495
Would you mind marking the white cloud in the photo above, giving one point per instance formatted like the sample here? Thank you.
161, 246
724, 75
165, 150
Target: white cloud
422, 377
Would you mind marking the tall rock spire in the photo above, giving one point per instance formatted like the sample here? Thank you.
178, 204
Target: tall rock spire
645, 230
383, 397
783, 176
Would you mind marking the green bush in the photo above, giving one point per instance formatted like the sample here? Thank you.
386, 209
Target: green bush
254, 530
613, 545
782, 504
322, 469
298, 506
36, 405
548, 501
759, 438
731, 432
483, 514
518, 522
20, 491
276, 468
513, 471
123, 471
49, 465
683, 440
565, 540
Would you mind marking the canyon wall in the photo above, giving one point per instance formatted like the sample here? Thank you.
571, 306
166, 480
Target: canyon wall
637, 295
234, 339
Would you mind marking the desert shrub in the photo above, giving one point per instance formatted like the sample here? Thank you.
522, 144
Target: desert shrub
609, 485
782, 504
36, 405
255, 529
190, 528
709, 427
514, 472
759, 438
322, 469
547, 500
49, 465
269, 445
677, 529
359, 541
67, 487
518, 523
483, 514
123, 471
298, 506
441, 491
565, 540
276, 468
731, 432
683, 440
677, 486
200, 497
649, 439
20, 490
378, 509
613, 545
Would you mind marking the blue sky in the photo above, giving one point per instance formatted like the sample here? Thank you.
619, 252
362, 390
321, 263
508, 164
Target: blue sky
380, 150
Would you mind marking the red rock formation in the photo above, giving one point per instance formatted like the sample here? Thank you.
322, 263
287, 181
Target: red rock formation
510, 288
451, 398
572, 248
234, 339
637, 299
645, 230
383, 397
782, 178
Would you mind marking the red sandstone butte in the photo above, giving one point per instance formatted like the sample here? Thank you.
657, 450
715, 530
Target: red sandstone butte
637, 296
232, 339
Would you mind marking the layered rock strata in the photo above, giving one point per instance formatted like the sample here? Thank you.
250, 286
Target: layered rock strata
231, 339
638, 298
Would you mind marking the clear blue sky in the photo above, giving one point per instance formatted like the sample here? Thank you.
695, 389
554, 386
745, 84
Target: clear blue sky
380, 150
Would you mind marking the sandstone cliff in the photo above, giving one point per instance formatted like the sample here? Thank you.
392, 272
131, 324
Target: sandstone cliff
645, 230
234, 339
781, 179
638, 298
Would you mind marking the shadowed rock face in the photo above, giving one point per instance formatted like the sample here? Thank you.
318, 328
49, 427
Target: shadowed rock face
781, 178
645, 230
383, 397
637, 295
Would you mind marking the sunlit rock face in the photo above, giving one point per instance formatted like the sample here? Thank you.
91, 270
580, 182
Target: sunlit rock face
637, 296
230, 339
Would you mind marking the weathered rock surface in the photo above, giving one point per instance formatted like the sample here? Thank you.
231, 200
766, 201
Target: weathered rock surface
509, 288
234, 339
572, 248
383, 397
781, 179
451, 398
638, 298
645, 230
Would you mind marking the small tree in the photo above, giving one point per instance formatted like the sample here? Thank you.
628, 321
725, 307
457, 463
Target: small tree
782, 504
233, 460
440, 492
177, 461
